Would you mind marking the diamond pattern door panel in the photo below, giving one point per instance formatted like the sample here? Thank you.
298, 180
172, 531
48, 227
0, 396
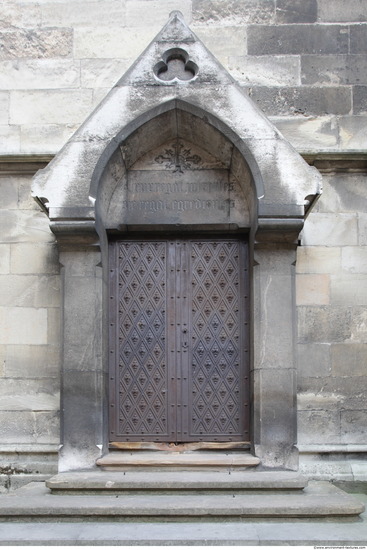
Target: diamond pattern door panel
139, 376
216, 399
179, 358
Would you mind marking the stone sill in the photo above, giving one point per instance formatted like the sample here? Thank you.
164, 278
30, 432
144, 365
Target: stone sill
27, 448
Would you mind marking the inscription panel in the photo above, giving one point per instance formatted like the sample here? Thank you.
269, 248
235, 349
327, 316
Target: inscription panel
189, 197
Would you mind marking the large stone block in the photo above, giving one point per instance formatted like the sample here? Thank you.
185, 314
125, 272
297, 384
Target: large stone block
9, 137
83, 13
29, 361
349, 359
102, 73
9, 193
358, 38
23, 325
35, 43
318, 427
350, 289
4, 259
156, 14
34, 258
359, 99
47, 427
296, 11
318, 259
354, 259
339, 10
39, 74
330, 230
313, 360
359, 325
81, 331
343, 193
313, 289
353, 133
82, 401
4, 107
17, 427
353, 426
233, 12
326, 70
275, 422
297, 39
302, 100
265, 71
338, 392
50, 107
29, 395
25, 199
311, 133
20, 14
45, 138
310, 398
325, 324
30, 290
223, 42
112, 43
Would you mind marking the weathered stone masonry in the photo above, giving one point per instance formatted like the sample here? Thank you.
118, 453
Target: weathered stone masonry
303, 63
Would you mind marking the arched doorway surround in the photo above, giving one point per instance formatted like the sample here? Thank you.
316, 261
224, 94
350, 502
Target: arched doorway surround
176, 112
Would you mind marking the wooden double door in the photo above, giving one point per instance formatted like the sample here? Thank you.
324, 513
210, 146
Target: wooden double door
179, 359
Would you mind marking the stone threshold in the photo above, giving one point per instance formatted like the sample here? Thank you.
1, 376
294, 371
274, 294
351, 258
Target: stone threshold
101, 482
122, 460
179, 447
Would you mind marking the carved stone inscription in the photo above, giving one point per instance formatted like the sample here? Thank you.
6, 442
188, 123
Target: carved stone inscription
189, 197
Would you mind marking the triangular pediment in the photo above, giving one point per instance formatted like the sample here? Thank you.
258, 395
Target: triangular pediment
175, 73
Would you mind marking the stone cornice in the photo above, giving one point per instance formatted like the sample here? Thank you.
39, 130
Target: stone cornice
325, 162
23, 164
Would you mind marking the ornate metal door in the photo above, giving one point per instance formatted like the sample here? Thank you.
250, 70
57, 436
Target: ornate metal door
179, 340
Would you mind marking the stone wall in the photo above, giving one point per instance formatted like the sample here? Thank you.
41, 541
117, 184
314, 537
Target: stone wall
29, 334
332, 310
305, 64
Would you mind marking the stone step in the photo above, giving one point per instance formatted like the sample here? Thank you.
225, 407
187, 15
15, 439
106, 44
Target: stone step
255, 533
101, 482
318, 500
197, 460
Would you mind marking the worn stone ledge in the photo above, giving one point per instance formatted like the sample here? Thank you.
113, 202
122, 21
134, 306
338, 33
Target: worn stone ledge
23, 164
36, 448
318, 500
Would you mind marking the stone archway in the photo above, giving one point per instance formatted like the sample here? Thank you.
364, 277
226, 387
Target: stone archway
179, 329
88, 192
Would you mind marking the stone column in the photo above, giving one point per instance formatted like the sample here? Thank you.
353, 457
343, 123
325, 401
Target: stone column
274, 365
83, 376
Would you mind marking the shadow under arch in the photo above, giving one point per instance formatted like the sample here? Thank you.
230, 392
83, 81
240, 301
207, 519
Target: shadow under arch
174, 119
